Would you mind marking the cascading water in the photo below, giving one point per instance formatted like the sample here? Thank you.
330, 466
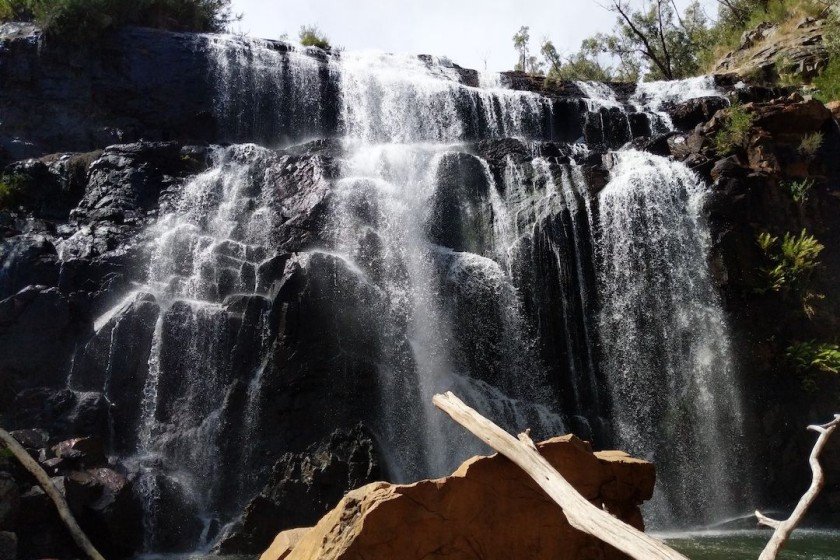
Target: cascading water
506, 280
665, 339
207, 251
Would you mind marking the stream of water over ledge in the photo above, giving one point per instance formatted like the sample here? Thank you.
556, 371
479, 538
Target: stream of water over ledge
460, 244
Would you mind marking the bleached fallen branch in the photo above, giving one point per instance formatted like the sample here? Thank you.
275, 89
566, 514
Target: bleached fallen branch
580, 512
49, 488
783, 529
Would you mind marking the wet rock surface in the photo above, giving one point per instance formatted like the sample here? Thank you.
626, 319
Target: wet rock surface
302, 487
100, 496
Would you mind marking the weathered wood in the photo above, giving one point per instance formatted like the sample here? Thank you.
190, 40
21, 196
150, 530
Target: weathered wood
49, 488
580, 512
783, 529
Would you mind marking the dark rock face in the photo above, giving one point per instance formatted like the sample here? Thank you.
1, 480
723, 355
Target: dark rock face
66, 413
175, 516
29, 260
689, 114
103, 501
37, 332
608, 127
124, 183
57, 99
8, 545
461, 213
120, 375
303, 487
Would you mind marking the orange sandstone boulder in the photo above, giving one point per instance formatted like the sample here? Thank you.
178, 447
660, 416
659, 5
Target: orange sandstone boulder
487, 509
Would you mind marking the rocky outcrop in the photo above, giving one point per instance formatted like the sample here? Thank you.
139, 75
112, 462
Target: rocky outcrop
794, 48
487, 509
103, 497
137, 83
302, 487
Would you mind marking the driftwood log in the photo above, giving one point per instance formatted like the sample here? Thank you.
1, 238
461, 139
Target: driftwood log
49, 488
783, 529
582, 514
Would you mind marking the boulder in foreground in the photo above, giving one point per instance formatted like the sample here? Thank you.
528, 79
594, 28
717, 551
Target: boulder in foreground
487, 509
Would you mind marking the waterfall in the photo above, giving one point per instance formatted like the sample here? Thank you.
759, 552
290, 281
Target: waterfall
403, 98
207, 251
665, 339
269, 91
393, 218
440, 266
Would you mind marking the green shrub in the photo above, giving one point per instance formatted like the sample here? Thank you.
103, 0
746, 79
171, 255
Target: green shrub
735, 131
16, 10
786, 71
828, 83
820, 356
794, 261
811, 144
5, 195
809, 358
12, 186
311, 36
80, 21
799, 189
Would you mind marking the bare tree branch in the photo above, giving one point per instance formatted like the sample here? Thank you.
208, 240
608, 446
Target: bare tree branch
650, 53
783, 529
49, 488
582, 514
662, 41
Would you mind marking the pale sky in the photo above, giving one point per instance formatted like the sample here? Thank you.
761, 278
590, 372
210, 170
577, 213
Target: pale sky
467, 31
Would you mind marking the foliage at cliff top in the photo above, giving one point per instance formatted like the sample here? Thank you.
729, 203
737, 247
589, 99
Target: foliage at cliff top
312, 36
653, 40
84, 20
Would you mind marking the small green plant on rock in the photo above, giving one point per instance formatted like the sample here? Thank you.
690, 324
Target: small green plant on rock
11, 187
735, 131
828, 83
311, 36
794, 259
799, 189
808, 358
811, 144
786, 71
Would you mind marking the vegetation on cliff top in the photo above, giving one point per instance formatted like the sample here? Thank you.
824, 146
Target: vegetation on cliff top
312, 36
656, 41
83, 20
